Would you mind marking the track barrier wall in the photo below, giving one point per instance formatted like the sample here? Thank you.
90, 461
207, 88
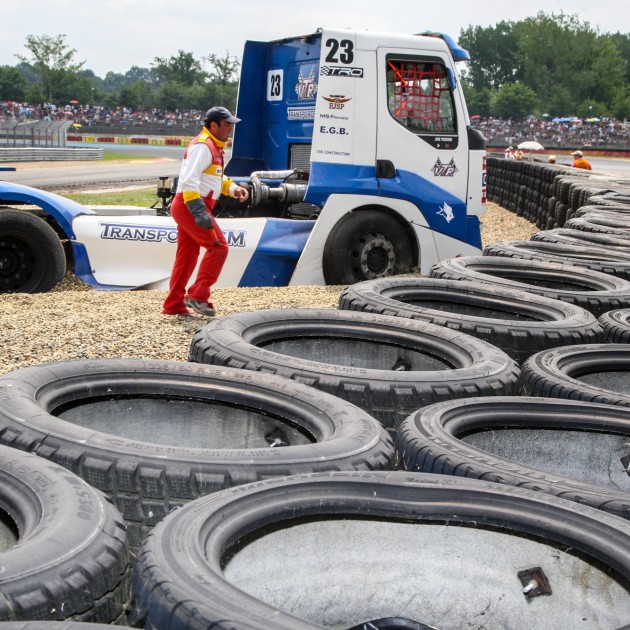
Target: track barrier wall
549, 195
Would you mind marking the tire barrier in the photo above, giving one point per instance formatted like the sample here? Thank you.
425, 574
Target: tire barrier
598, 373
341, 549
568, 448
616, 325
618, 212
615, 263
594, 291
604, 224
153, 435
64, 546
544, 194
583, 238
517, 322
388, 366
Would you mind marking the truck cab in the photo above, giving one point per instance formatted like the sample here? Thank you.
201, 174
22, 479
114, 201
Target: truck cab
369, 134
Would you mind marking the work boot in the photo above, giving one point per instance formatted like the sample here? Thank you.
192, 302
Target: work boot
203, 308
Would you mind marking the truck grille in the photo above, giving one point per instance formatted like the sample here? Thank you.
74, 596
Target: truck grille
301, 157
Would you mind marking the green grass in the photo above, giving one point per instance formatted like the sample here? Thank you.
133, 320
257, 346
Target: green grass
143, 197
125, 156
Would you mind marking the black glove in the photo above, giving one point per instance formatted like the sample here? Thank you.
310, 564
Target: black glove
198, 209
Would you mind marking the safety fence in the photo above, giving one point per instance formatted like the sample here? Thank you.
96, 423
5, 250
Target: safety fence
34, 133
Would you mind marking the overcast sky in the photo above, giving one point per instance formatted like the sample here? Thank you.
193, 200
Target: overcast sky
118, 34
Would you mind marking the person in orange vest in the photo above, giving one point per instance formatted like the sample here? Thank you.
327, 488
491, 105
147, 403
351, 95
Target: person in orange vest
579, 161
201, 182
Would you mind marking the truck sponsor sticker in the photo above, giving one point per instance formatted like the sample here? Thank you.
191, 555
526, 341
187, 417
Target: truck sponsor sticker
446, 211
336, 101
444, 170
153, 234
301, 113
306, 88
131, 232
341, 71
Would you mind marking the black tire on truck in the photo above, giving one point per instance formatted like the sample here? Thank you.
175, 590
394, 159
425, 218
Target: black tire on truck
335, 550
517, 322
594, 291
364, 245
32, 259
568, 448
598, 373
64, 546
153, 435
388, 366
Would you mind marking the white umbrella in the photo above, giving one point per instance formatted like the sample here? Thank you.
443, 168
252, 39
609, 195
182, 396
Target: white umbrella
531, 145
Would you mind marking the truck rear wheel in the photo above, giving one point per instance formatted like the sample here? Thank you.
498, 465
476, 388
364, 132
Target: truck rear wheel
367, 244
32, 259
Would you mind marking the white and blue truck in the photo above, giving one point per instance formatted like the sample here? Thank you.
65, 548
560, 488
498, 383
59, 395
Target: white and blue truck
361, 162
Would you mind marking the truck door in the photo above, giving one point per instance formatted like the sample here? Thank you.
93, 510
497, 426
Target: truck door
422, 144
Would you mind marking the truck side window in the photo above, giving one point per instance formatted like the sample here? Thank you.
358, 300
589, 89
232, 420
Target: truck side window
419, 96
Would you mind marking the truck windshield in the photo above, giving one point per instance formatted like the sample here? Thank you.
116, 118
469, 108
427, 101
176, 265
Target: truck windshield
420, 97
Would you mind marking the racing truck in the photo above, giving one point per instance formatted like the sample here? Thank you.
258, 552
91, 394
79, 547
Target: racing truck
356, 147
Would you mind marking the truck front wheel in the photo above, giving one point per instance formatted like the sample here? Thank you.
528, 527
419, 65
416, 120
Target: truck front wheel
32, 259
367, 244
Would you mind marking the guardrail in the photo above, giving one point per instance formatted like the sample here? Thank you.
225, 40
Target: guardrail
36, 154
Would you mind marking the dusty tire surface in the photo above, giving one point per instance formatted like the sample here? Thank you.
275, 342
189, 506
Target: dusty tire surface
600, 224
215, 562
517, 322
594, 291
583, 238
64, 546
598, 373
153, 435
568, 448
388, 366
600, 259
616, 325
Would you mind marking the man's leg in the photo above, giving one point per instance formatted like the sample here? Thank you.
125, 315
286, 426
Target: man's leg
185, 262
211, 264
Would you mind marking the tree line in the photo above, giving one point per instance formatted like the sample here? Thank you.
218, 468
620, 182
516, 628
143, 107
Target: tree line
50, 73
551, 64
547, 64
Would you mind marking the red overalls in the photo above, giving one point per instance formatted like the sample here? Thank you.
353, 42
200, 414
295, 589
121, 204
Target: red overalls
190, 237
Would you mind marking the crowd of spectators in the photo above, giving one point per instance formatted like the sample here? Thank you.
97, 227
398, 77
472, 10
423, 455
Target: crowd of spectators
556, 132
99, 115
550, 132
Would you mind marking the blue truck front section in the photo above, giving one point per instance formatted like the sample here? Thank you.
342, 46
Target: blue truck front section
278, 251
61, 209
276, 103
443, 212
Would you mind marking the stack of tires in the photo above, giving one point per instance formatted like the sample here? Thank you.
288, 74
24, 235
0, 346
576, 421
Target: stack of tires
548, 195
439, 452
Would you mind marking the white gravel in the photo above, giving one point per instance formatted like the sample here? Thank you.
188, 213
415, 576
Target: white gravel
76, 322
